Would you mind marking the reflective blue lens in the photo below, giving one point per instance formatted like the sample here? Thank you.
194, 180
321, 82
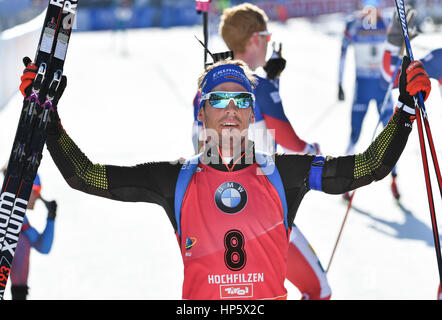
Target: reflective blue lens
221, 100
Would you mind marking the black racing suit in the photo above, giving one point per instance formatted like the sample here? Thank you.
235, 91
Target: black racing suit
155, 182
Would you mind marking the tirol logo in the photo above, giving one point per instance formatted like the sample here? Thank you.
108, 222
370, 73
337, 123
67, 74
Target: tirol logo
230, 197
236, 291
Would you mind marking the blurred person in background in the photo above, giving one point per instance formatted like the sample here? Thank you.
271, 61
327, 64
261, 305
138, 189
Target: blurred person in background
366, 30
31, 238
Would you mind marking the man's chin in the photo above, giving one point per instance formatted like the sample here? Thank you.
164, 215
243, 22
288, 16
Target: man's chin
227, 137
232, 140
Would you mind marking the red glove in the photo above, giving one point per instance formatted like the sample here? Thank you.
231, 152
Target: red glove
417, 79
413, 79
28, 76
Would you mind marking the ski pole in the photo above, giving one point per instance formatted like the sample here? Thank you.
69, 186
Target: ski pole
419, 99
203, 6
340, 231
421, 116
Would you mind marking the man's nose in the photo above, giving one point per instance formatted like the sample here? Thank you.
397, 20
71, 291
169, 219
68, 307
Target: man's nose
232, 106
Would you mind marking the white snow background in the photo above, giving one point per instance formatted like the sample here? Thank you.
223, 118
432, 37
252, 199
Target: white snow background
125, 108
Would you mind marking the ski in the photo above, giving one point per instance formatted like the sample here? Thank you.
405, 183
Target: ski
30, 136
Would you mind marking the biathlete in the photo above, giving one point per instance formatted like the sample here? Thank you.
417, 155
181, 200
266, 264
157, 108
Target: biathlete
232, 207
244, 30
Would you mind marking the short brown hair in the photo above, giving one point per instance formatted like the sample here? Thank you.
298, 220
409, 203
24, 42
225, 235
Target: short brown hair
238, 24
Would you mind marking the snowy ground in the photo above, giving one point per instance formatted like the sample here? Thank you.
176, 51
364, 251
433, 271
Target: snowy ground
131, 108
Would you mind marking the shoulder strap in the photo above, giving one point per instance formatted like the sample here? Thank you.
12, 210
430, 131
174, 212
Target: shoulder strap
186, 173
268, 166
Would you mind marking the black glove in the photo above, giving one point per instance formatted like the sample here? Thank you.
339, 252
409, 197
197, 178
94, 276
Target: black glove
394, 35
52, 208
30, 74
341, 95
276, 64
413, 79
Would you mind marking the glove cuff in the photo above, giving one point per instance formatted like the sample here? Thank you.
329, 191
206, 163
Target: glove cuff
406, 108
406, 100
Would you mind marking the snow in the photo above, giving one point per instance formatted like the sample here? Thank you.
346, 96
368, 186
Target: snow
129, 106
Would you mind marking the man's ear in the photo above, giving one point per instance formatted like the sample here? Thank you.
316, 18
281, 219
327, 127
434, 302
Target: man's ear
253, 40
252, 117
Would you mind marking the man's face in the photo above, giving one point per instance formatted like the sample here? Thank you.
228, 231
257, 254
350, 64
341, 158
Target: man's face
230, 124
261, 41
263, 49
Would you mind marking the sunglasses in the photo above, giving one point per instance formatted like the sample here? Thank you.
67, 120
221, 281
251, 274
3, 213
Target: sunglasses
264, 33
221, 99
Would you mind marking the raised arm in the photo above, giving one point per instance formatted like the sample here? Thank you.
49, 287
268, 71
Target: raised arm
40, 242
342, 174
152, 182
149, 182
346, 173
